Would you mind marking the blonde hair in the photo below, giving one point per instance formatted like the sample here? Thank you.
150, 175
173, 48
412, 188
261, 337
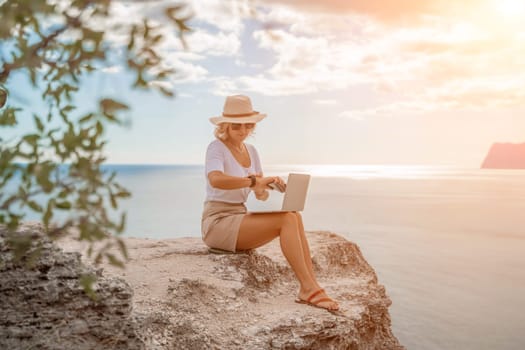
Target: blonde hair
221, 131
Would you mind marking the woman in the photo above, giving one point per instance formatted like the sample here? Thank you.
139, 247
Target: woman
233, 169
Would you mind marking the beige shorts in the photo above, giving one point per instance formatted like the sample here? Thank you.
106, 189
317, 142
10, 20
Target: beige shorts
220, 224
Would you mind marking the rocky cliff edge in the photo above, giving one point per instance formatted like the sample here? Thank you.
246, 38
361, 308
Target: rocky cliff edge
505, 156
174, 294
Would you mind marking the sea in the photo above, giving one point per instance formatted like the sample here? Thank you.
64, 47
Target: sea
447, 243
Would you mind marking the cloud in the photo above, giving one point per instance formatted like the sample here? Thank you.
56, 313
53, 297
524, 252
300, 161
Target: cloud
215, 32
224, 86
474, 95
225, 16
112, 69
388, 11
446, 54
390, 110
303, 65
325, 102
185, 72
213, 44
353, 44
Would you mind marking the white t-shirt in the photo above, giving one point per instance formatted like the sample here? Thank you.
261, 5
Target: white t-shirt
220, 158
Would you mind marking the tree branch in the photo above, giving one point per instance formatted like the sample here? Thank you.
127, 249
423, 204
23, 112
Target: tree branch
73, 22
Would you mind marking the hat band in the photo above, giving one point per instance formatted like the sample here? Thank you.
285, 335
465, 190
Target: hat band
240, 115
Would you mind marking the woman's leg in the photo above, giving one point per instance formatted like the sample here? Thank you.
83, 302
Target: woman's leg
306, 251
304, 243
259, 229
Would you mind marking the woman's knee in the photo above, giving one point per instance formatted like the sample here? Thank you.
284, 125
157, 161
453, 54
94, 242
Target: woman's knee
289, 216
289, 219
298, 216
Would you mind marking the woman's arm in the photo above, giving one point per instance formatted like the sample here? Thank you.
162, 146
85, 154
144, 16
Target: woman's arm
220, 180
227, 182
260, 192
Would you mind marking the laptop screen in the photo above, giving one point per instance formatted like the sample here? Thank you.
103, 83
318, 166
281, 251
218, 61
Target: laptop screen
296, 189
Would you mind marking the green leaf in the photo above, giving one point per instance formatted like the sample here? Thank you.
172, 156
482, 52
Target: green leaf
64, 112
49, 213
100, 128
3, 97
171, 12
7, 177
21, 245
122, 247
112, 177
165, 73
13, 222
42, 177
86, 118
98, 258
181, 23
156, 39
123, 194
38, 122
51, 132
122, 224
114, 261
31, 139
65, 205
166, 92
92, 35
87, 281
113, 201
32, 75
111, 106
8, 117
140, 82
68, 108
146, 28
132, 34
35, 206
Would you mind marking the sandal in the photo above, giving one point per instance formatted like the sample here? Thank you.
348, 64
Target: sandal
316, 303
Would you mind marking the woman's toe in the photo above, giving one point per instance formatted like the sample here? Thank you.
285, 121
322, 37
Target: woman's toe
331, 304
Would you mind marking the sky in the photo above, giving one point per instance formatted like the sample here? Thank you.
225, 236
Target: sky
403, 82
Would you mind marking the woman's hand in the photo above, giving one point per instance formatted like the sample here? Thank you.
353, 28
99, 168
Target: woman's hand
262, 196
261, 187
279, 183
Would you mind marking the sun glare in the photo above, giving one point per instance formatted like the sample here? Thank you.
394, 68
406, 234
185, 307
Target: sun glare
510, 8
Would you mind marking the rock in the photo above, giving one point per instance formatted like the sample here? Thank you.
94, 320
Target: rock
186, 298
505, 156
45, 307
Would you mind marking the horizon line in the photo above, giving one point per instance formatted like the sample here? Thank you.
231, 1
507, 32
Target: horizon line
294, 164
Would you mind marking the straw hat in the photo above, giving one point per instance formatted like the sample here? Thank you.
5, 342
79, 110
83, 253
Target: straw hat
238, 109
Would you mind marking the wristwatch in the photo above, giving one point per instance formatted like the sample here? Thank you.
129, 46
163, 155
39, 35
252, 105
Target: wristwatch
253, 178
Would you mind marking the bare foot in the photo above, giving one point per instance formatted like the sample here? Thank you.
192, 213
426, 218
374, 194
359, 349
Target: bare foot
318, 299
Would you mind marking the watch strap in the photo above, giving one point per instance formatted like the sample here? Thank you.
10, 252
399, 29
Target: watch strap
253, 179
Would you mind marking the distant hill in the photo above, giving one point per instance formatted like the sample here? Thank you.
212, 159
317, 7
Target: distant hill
505, 156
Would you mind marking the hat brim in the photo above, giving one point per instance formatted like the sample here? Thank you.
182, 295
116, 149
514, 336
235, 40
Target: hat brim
238, 120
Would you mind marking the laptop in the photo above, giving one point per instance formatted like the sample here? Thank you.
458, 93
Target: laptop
294, 196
